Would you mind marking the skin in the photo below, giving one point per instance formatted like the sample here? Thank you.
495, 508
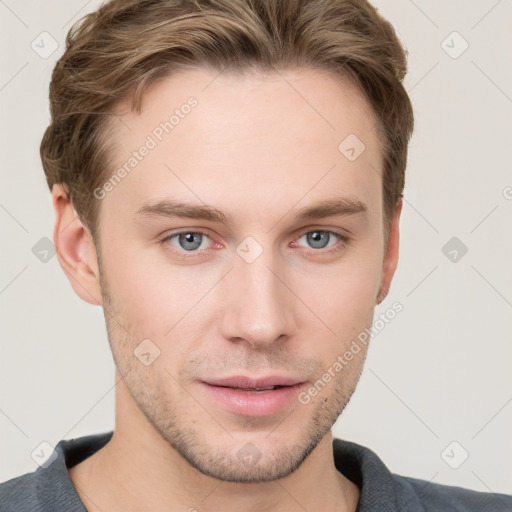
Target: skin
259, 148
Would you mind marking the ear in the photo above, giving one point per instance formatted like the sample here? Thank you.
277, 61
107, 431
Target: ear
75, 247
391, 256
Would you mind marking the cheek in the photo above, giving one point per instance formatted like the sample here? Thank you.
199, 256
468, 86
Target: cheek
154, 298
344, 296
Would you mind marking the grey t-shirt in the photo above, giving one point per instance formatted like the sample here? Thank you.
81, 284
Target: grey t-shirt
49, 489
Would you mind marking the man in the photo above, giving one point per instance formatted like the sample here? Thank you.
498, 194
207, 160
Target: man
227, 180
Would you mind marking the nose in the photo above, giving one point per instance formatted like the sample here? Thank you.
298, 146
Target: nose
258, 309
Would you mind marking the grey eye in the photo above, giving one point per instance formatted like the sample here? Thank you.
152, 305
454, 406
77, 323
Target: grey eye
318, 239
189, 241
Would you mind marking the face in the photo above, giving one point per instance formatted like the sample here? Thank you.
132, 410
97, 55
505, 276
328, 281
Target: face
241, 254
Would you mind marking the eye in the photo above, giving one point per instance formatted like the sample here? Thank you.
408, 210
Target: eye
319, 239
188, 241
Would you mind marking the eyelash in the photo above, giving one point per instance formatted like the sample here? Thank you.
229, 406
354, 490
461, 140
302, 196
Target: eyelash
343, 239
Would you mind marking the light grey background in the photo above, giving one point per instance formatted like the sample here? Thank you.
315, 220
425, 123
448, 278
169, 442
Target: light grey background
438, 373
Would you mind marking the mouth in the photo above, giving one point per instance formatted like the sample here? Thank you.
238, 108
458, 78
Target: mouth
253, 397
255, 390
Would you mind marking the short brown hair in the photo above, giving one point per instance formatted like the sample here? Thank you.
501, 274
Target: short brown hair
116, 52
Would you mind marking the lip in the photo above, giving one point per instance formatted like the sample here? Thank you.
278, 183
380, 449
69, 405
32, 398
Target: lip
227, 393
241, 381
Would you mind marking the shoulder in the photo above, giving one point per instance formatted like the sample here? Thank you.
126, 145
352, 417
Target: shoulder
38, 492
19, 493
49, 487
43, 490
381, 490
438, 497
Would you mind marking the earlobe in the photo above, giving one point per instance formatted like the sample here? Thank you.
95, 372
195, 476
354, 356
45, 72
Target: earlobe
391, 257
75, 247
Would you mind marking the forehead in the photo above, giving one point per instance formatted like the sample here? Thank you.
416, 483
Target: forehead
216, 136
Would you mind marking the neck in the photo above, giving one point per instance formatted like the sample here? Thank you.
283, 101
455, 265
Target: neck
137, 469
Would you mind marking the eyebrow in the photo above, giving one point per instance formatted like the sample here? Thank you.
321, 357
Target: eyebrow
175, 209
